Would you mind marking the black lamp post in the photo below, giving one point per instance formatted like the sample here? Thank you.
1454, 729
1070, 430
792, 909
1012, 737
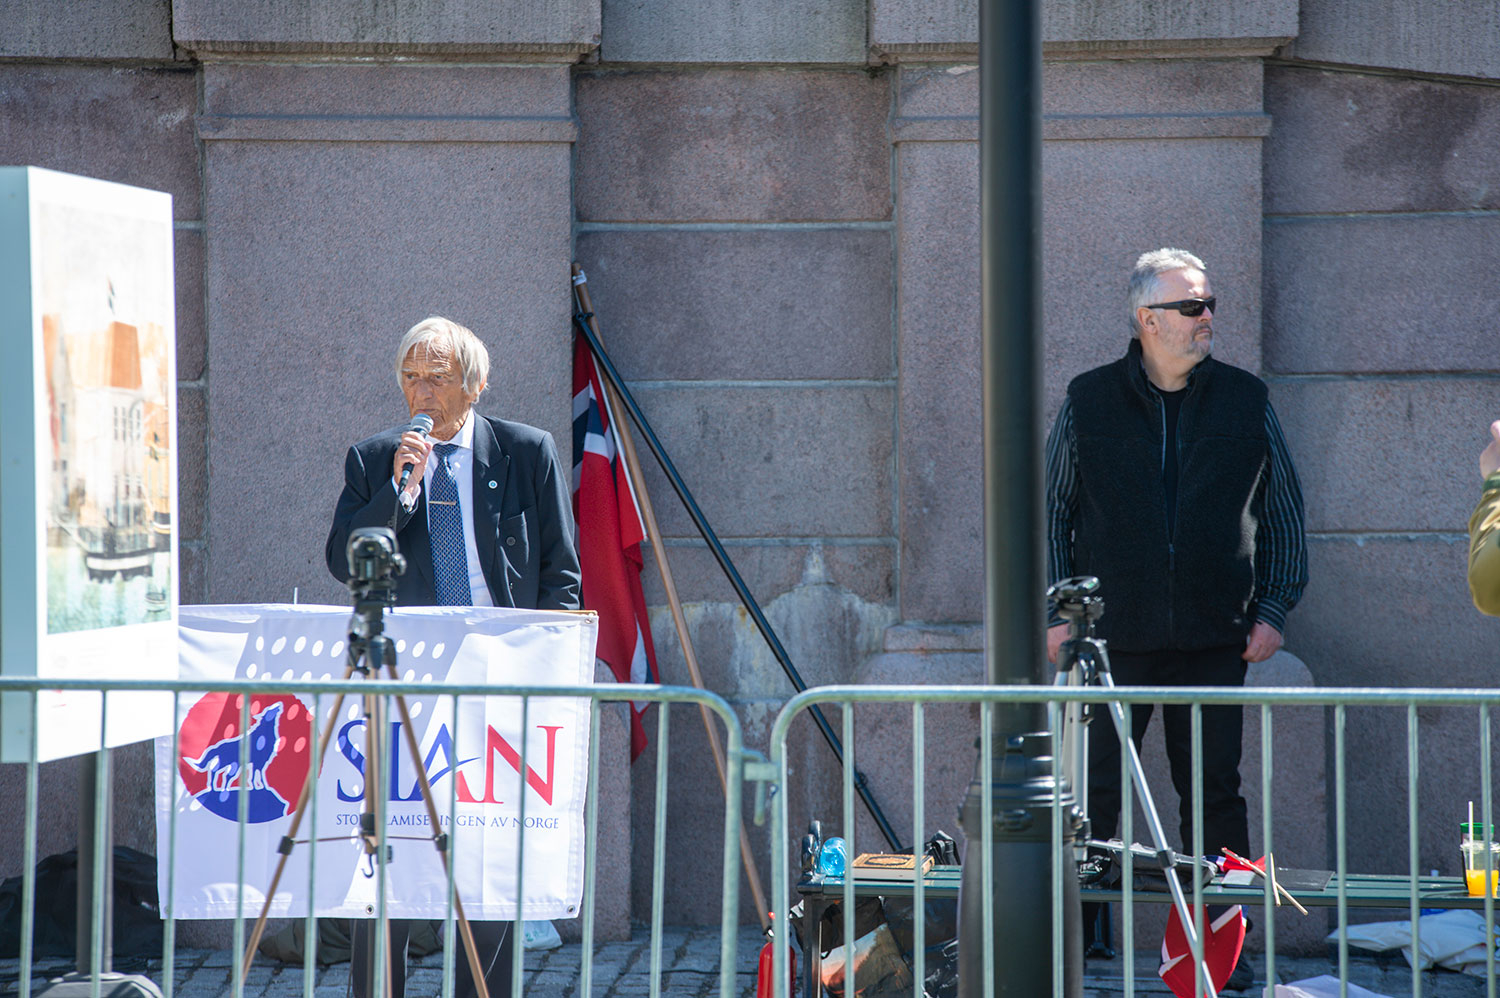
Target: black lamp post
1023, 787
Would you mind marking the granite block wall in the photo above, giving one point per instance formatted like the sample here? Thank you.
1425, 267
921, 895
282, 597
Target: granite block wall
1379, 196
738, 224
731, 31
776, 206
443, 180
1186, 172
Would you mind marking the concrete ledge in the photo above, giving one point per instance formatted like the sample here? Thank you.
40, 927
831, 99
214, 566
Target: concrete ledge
216, 51
1122, 29
539, 28
1071, 51
1095, 126
1461, 39
86, 29
220, 128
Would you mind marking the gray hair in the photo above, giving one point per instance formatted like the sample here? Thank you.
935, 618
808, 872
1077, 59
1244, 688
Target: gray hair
467, 350
1144, 280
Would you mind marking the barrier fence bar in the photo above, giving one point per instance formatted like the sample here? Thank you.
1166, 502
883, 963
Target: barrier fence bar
1341, 841
309, 925
918, 839
1267, 838
28, 850
169, 928
590, 857
1486, 808
1197, 845
1127, 834
518, 944
242, 805
847, 710
450, 923
659, 850
1413, 857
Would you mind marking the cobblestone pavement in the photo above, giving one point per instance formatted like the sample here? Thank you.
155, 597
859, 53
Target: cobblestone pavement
690, 961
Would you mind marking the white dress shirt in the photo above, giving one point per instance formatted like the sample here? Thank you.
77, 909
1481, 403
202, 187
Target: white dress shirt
461, 464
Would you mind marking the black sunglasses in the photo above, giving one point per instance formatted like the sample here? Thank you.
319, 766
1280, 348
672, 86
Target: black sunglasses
1191, 306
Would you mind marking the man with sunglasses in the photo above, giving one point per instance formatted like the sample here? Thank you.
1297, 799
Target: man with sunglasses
1168, 478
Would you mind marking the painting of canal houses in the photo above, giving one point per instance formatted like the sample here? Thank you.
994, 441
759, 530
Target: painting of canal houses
109, 520
86, 296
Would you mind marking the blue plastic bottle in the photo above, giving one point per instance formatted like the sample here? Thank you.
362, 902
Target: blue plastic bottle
833, 858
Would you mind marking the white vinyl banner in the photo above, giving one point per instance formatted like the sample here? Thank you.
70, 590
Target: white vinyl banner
469, 747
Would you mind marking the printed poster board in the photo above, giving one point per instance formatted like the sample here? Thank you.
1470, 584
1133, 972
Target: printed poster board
88, 457
470, 748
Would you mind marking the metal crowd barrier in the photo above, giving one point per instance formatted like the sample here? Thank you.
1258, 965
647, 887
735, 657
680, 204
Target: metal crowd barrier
598, 695
1336, 701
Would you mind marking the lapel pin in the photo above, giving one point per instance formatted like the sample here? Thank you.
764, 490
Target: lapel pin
492, 483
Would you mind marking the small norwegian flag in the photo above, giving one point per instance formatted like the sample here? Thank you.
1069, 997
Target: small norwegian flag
610, 532
1224, 932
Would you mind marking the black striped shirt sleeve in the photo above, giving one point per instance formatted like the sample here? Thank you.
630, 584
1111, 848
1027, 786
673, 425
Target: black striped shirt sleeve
1280, 543
1062, 493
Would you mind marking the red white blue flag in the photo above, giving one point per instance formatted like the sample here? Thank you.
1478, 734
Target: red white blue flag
1224, 936
610, 532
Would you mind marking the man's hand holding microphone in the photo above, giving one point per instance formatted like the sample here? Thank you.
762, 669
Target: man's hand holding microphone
411, 459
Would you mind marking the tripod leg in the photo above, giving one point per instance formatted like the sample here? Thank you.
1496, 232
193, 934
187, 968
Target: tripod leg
465, 932
1074, 751
315, 765
1153, 822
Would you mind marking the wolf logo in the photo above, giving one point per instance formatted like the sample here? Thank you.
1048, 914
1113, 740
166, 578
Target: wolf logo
220, 762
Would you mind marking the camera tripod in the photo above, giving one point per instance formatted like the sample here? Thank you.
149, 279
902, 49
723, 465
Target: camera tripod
374, 562
1083, 661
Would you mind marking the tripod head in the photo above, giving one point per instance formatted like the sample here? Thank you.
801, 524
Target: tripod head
1078, 602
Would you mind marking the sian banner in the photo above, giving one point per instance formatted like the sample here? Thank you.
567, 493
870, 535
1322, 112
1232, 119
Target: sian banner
469, 747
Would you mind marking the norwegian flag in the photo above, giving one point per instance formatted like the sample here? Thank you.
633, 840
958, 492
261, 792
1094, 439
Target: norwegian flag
1224, 931
610, 532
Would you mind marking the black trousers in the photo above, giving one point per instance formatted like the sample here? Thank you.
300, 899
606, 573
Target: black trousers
1225, 823
495, 942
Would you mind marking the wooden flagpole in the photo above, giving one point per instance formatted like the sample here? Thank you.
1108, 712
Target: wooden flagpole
658, 550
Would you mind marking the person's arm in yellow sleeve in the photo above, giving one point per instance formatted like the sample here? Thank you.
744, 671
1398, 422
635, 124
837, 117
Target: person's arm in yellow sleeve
1484, 531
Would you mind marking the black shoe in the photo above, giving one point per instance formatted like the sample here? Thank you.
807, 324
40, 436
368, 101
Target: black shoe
1098, 931
1241, 979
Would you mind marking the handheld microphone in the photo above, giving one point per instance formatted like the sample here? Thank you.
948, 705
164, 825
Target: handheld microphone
420, 423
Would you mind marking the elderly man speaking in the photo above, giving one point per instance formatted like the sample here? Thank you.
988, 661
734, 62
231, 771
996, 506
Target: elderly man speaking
485, 520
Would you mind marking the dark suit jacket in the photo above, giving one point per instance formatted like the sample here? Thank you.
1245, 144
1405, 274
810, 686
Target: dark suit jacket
523, 519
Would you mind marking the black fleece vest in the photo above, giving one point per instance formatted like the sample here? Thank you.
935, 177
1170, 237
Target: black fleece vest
1185, 585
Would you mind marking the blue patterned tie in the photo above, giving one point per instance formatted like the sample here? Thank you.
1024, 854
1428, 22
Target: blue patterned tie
450, 565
